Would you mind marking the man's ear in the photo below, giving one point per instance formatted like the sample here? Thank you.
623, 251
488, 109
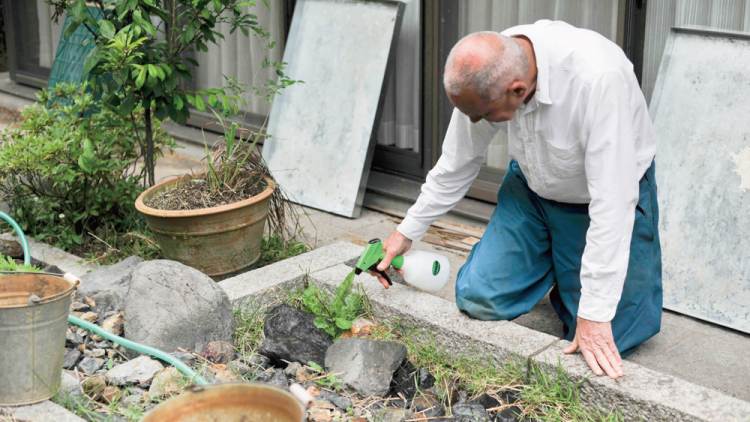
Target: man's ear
519, 89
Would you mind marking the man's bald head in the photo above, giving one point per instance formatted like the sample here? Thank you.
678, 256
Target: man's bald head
486, 62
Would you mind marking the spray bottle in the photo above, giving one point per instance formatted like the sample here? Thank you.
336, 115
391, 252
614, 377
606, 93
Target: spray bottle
423, 270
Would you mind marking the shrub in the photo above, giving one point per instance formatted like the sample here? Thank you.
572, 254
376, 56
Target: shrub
70, 168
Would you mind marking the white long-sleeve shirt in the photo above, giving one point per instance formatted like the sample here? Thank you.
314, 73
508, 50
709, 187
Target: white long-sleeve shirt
585, 137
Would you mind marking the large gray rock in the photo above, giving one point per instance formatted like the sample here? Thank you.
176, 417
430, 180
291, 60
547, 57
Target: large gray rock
108, 285
170, 305
45, 411
367, 366
291, 335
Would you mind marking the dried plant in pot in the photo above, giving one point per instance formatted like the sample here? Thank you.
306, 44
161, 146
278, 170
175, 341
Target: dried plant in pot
215, 221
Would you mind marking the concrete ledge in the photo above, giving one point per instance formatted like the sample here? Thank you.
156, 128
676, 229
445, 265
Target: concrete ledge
262, 286
54, 256
452, 330
45, 411
645, 393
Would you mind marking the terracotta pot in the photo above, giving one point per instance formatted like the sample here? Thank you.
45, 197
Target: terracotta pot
219, 241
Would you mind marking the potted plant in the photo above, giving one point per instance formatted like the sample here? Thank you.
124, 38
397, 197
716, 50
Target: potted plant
214, 221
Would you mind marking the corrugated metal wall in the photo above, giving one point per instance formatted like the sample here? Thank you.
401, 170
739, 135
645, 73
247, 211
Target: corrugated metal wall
663, 14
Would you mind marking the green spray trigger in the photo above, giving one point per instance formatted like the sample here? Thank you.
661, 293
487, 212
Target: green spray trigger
371, 257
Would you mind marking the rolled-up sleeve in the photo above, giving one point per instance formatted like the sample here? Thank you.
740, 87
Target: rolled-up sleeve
464, 148
612, 178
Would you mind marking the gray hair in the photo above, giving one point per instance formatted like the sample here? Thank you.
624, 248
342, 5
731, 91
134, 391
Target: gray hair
491, 80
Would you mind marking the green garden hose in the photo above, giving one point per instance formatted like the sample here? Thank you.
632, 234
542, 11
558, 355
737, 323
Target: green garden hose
184, 368
24, 243
180, 365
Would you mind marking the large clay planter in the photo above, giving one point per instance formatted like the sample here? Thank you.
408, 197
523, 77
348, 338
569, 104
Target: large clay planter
219, 241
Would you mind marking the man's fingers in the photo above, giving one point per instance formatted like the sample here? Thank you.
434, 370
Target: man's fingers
380, 279
591, 360
613, 348
386, 262
604, 362
572, 348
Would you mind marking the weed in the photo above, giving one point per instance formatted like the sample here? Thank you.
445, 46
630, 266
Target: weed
8, 264
335, 314
272, 250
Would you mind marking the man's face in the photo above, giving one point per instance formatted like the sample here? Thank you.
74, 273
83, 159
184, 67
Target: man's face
470, 104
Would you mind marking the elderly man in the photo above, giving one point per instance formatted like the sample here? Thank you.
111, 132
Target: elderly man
577, 211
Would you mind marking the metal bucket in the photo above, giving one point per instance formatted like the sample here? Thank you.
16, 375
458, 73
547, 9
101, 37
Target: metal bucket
33, 321
230, 402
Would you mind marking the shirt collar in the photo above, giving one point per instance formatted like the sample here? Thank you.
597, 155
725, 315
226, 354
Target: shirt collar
532, 32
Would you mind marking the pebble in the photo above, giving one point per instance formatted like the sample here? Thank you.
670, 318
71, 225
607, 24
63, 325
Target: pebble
94, 386
136, 371
90, 317
279, 379
131, 400
219, 352
97, 353
73, 339
313, 391
166, 382
257, 360
89, 364
239, 368
80, 307
70, 387
111, 394
394, 415
100, 345
225, 376
342, 403
188, 358
292, 368
71, 359
114, 324
111, 353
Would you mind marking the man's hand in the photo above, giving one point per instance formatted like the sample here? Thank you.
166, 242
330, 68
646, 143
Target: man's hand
597, 344
396, 244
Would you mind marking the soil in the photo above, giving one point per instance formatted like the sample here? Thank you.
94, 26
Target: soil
196, 195
8, 116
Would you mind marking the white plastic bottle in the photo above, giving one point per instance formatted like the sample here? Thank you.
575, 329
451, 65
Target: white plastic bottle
425, 270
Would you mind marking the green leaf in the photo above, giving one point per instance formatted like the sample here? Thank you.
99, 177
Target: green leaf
106, 28
141, 78
71, 29
314, 365
177, 101
78, 11
266, 3
92, 59
343, 324
280, 73
200, 105
321, 322
212, 100
217, 5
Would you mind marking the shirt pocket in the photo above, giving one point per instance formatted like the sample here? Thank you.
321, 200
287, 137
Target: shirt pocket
565, 163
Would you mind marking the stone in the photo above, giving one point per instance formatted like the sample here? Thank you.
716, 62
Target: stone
108, 285
291, 335
259, 361
447, 391
131, 400
114, 324
313, 391
366, 366
166, 382
428, 405
94, 386
219, 352
486, 401
405, 382
111, 394
97, 353
70, 387
53, 269
361, 327
73, 339
292, 368
171, 306
239, 368
90, 317
263, 376
100, 345
470, 412
111, 353
188, 358
71, 359
226, 376
11, 248
279, 379
342, 403
136, 371
80, 307
89, 365
511, 414
393, 415
426, 379
46, 411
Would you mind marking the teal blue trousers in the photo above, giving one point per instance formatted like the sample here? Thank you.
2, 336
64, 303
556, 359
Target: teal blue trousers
533, 245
